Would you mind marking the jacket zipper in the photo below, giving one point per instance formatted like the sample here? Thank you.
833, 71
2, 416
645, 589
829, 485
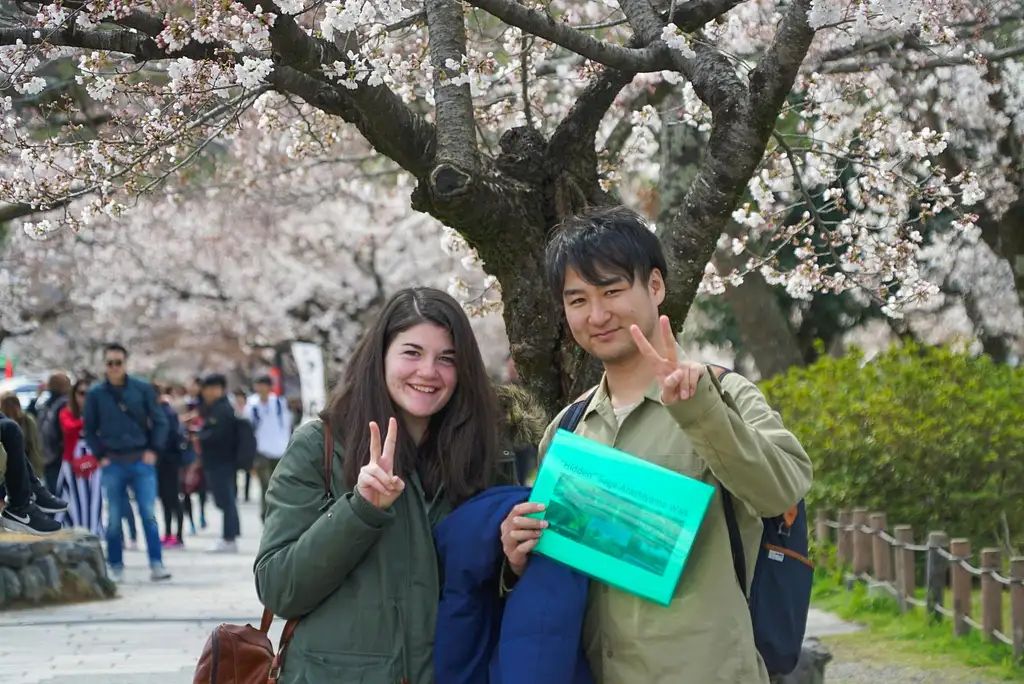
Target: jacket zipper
216, 656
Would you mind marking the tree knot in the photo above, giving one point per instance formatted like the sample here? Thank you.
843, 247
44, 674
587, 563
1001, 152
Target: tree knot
449, 182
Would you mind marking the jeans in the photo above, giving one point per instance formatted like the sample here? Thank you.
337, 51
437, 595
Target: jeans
117, 477
129, 517
221, 482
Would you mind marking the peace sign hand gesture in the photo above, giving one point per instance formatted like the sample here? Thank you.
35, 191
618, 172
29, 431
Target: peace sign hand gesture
377, 482
678, 380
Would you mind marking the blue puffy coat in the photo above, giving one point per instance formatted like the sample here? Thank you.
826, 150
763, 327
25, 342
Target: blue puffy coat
533, 636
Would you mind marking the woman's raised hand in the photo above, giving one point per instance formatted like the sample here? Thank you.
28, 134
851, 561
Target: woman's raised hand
377, 482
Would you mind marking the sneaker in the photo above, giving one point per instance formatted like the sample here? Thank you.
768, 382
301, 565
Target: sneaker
29, 519
158, 573
47, 502
133, 545
192, 529
116, 575
172, 543
223, 546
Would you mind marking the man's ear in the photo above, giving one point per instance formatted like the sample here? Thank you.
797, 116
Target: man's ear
656, 286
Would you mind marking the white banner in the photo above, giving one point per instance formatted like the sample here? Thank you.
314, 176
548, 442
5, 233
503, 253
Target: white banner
309, 359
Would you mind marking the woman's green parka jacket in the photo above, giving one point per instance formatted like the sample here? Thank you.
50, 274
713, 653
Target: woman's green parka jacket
363, 581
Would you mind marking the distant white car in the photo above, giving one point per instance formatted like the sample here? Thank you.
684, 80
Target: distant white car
25, 387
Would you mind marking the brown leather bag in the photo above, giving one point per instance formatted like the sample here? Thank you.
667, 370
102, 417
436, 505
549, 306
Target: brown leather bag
240, 654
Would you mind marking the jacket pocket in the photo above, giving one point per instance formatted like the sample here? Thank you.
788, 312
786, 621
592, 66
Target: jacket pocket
330, 667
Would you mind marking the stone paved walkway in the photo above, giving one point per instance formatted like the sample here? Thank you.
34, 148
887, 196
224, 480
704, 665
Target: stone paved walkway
153, 633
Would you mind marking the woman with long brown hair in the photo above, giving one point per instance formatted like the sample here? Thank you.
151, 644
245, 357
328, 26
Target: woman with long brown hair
10, 406
416, 431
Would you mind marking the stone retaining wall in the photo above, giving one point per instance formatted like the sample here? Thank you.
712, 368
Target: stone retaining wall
61, 568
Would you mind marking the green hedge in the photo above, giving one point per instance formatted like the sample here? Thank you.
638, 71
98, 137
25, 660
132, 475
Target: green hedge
932, 437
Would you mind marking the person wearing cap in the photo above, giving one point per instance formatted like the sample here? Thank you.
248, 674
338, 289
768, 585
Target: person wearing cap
218, 442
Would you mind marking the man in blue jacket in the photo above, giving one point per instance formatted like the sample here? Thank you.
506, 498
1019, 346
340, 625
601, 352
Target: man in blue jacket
124, 428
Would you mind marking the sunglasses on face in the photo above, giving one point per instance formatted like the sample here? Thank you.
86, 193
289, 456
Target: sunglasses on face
114, 363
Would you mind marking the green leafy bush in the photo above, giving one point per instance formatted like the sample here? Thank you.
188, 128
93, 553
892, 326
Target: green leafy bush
932, 437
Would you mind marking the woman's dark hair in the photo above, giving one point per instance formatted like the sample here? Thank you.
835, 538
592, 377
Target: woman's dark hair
460, 448
74, 406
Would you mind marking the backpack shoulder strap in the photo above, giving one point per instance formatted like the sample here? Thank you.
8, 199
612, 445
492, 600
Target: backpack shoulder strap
574, 414
739, 557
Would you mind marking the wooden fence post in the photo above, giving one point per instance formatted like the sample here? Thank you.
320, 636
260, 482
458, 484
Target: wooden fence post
961, 548
861, 542
1017, 607
906, 583
936, 573
881, 552
821, 532
844, 548
991, 594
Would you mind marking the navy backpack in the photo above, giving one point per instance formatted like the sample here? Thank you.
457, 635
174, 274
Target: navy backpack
780, 592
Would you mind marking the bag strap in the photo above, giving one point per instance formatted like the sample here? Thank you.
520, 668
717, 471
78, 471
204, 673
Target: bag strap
574, 414
739, 557
268, 617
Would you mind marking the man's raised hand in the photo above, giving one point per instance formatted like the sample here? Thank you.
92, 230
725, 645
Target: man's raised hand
678, 380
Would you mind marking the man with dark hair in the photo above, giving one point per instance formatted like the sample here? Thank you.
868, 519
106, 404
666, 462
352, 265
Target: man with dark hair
272, 422
125, 428
608, 271
218, 446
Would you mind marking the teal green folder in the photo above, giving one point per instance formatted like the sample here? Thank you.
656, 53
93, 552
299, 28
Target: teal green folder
616, 517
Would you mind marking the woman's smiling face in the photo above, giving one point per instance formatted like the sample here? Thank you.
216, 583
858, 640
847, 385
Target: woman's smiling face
420, 373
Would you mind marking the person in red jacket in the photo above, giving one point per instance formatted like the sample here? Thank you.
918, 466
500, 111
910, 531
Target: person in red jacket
79, 479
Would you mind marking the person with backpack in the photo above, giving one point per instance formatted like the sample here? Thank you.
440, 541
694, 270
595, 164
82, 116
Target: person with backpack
272, 423
59, 386
608, 271
219, 440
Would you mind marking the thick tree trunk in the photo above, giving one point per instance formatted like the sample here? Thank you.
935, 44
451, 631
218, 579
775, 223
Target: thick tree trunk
766, 332
507, 218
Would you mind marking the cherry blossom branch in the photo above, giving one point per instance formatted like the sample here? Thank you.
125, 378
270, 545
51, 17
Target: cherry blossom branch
901, 63
632, 60
138, 46
377, 111
453, 101
742, 124
579, 126
646, 25
691, 16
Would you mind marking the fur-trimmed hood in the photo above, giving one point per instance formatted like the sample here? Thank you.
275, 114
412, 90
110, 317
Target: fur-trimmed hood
525, 420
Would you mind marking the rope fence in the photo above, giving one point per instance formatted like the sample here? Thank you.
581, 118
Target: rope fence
887, 562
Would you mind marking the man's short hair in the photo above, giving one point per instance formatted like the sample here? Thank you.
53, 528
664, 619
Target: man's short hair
115, 347
263, 380
602, 244
214, 380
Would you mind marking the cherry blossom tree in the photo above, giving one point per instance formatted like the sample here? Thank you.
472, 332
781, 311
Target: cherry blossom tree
196, 284
501, 118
